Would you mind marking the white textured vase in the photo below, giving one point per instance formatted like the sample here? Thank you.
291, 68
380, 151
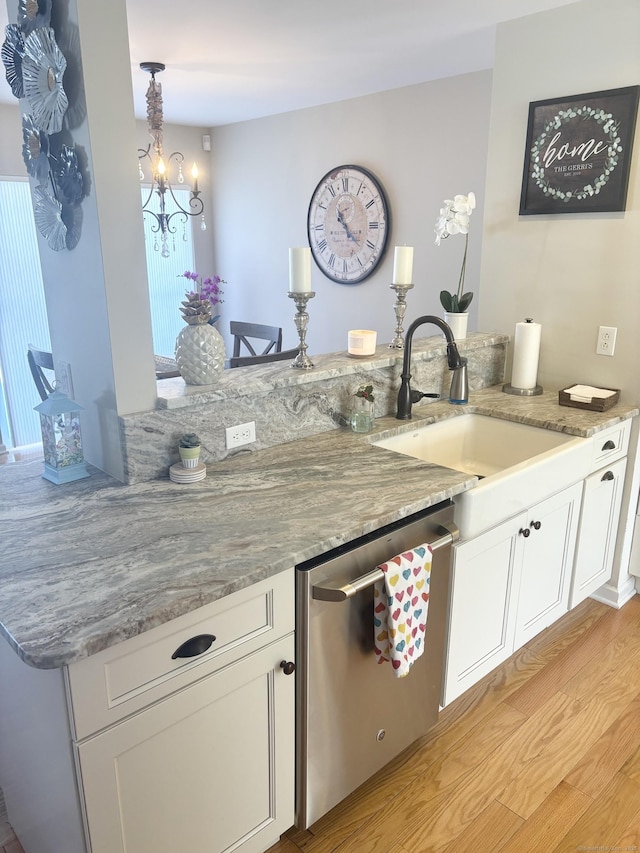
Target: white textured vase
457, 324
200, 354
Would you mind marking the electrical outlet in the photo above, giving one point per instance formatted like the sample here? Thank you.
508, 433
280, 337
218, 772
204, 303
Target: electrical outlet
241, 434
606, 340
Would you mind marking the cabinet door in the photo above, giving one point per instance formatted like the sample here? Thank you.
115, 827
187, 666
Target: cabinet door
481, 624
547, 560
599, 516
208, 769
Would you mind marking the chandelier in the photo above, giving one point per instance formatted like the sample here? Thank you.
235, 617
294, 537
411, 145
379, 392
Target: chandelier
163, 209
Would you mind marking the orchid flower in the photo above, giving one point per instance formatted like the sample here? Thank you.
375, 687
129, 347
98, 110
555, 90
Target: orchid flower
208, 288
454, 219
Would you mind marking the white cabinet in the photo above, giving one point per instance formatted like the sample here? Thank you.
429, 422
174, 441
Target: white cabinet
546, 560
517, 578
209, 769
508, 584
185, 734
601, 500
481, 616
143, 749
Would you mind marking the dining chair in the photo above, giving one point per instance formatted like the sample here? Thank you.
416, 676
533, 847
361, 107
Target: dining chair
246, 360
166, 368
242, 331
39, 361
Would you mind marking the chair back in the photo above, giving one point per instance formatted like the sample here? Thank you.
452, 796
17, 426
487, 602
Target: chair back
242, 331
246, 360
39, 361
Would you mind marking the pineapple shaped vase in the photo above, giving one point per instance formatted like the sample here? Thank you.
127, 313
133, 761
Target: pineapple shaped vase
200, 352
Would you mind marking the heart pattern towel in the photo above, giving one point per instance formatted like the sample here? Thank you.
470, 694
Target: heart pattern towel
400, 604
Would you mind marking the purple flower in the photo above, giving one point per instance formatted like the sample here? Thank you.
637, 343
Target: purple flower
209, 288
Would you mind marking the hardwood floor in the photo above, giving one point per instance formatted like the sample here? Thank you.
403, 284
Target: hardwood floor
542, 756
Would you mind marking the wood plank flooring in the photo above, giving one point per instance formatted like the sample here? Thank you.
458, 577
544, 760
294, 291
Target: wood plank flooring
541, 756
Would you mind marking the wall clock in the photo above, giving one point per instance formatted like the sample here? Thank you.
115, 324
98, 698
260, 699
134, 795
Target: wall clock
348, 224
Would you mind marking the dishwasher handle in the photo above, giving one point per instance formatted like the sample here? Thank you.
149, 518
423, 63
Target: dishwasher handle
448, 535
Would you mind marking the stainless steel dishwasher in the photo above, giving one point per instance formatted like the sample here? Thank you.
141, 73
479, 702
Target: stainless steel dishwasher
353, 714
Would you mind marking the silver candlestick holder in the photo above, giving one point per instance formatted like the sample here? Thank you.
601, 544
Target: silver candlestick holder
400, 307
301, 320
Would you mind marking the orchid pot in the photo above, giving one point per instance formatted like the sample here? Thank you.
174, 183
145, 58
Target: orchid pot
457, 322
454, 219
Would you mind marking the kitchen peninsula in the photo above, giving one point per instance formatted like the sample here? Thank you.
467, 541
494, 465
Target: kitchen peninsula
92, 566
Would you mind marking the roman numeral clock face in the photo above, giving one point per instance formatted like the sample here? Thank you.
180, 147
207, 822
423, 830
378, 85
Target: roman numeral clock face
348, 224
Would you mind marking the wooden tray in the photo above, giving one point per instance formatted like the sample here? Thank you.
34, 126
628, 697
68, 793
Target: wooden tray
597, 404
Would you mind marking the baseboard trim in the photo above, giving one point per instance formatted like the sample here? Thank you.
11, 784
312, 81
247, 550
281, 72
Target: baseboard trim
614, 596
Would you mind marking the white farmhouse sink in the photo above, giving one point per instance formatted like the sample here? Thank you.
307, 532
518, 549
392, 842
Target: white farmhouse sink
518, 464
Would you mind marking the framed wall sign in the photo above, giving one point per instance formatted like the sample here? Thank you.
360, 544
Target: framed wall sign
578, 152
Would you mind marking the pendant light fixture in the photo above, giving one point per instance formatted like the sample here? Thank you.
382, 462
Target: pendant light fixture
165, 206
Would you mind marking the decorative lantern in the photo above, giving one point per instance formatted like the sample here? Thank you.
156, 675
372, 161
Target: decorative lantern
61, 438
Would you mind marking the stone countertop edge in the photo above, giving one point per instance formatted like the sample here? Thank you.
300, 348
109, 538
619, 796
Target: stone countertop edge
259, 380
542, 410
92, 563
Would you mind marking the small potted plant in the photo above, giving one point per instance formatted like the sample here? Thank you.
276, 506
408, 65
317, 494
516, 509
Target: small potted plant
189, 450
362, 415
454, 219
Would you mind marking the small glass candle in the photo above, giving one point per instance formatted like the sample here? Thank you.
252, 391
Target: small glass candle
362, 342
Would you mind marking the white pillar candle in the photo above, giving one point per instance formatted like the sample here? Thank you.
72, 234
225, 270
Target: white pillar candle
300, 270
403, 265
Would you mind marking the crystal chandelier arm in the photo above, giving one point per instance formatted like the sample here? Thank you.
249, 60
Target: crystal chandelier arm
195, 203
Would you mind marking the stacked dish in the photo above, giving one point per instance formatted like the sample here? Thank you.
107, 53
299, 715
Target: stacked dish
179, 474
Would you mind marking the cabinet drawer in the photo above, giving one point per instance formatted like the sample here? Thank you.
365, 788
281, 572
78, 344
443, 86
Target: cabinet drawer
129, 676
610, 444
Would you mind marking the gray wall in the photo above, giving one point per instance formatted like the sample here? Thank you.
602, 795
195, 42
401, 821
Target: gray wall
573, 272
425, 143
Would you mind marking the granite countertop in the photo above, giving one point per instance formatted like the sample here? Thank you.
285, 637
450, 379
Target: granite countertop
86, 565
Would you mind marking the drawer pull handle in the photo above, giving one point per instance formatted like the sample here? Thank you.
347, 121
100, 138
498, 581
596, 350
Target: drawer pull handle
288, 667
536, 525
609, 445
608, 475
524, 531
194, 646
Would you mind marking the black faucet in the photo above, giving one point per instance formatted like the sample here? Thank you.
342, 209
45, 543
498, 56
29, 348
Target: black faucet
406, 397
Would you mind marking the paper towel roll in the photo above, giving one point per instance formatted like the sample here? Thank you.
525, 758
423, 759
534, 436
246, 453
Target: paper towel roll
526, 352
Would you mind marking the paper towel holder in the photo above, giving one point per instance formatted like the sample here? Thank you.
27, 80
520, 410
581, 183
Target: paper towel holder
522, 392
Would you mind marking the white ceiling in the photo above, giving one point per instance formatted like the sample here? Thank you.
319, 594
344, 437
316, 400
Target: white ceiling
240, 59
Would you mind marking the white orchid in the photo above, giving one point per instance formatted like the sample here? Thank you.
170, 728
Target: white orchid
454, 216
454, 219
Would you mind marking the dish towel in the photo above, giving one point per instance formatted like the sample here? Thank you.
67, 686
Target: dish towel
400, 604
